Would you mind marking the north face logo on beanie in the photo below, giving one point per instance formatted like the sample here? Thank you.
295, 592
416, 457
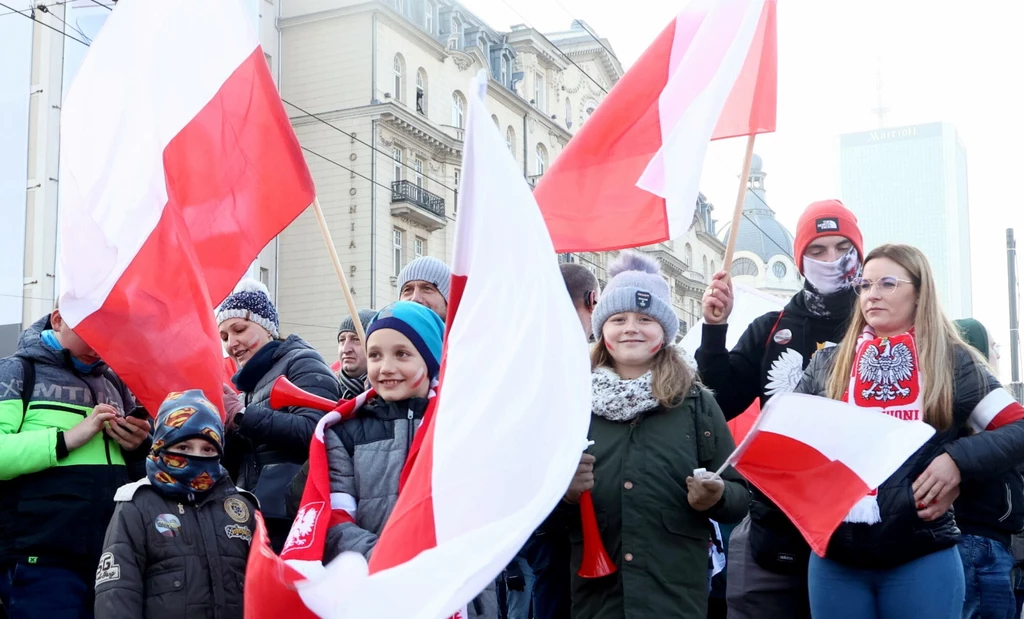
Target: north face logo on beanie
827, 224
643, 299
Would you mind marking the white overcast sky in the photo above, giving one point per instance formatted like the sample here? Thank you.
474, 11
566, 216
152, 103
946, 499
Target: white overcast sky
941, 60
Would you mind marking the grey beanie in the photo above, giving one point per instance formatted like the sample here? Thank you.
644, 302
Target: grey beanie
427, 269
365, 316
637, 286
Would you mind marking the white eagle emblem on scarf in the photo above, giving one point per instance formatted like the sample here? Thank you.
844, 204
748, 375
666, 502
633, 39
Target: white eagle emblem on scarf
886, 368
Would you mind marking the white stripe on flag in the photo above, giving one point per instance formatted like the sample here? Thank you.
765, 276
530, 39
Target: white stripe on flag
989, 407
347, 502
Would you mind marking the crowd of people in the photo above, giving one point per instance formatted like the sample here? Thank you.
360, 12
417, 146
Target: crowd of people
108, 511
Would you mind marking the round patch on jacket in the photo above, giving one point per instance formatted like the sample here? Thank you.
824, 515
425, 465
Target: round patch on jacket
236, 509
168, 525
783, 336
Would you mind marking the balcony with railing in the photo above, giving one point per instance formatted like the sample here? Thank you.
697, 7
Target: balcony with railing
410, 200
459, 133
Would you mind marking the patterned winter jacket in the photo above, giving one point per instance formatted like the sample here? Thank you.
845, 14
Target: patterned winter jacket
366, 456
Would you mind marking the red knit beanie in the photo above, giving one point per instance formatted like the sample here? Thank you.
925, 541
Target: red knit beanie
825, 218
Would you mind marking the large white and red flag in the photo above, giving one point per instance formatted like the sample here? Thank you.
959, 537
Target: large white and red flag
178, 165
816, 458
508, 426
630, 176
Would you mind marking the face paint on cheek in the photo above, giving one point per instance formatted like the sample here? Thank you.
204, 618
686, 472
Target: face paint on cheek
253, 342
657, 347
420, 377
608, 345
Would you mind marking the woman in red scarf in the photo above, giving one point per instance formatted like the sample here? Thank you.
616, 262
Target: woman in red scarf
895, 554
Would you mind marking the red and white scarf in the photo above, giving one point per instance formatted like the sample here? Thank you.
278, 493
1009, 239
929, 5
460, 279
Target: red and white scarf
884, 376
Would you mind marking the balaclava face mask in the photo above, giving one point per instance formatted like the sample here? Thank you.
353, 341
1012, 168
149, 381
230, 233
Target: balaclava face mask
185, 416
831, 277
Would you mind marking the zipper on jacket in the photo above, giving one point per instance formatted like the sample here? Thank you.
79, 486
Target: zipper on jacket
408, 446
1009, 503
106, 445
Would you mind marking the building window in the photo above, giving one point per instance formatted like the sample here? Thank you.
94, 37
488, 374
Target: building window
419, 247
458, 110
455, 38
568, 113
588, 109
704, 260
688, 256
541, 163
779, 269
458, 179
744, 266
396, 154
539, 92
494, 117
399, 77
421, 91
428, 17
397, 243
510, 139
417, 165
504, 71
713, 271
265, 276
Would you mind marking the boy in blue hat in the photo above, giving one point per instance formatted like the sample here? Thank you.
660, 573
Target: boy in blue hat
179, 539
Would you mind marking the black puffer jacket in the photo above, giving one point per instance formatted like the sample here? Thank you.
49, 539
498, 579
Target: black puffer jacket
167, 559
770, 358
902, 536
277, 441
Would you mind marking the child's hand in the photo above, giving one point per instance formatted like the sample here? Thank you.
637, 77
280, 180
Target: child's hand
583, 480
129, 432
87, 428
705, 492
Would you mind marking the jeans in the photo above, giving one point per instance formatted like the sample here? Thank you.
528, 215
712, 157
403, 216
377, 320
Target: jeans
931, 587
519, 601
32, 591
987, 567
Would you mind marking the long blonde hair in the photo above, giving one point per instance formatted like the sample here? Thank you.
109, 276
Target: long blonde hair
935, 335
671, 378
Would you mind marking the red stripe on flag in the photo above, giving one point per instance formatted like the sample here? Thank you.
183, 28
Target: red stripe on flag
235, 178
276, 596
814, 492
340, 516
751, 106
589, 197
1013, 412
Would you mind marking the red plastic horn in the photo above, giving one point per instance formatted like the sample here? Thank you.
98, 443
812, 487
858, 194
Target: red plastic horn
596, 562
284, 394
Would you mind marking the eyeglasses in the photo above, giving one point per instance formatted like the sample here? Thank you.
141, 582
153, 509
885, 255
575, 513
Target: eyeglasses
886, 285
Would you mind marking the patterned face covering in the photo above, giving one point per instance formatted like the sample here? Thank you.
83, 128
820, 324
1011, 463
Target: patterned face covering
831, 277
185, 416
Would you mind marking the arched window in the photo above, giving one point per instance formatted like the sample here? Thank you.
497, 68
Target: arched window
704, 259
510, 139
568, 113
399, 78
744, 266
458, 110
779, 269
588, 108
421, 91
688, 256
494, 117
713, 270
542, 159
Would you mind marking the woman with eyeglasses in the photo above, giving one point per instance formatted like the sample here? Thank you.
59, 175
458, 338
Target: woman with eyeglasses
895, 554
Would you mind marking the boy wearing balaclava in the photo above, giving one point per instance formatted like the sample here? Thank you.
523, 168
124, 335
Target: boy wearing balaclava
179, 540
767, 558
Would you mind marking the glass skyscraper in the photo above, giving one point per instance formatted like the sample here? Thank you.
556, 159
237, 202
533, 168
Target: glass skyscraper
909, 185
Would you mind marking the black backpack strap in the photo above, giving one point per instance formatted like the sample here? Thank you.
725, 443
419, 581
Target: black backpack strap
704, 428
28, 386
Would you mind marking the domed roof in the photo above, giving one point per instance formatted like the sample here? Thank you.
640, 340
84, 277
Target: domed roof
759, 232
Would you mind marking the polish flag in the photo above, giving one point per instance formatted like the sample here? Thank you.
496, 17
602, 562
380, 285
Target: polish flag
178, 165
485, 468
630, 175
815, 458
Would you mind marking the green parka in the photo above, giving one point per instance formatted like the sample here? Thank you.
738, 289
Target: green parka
659, 543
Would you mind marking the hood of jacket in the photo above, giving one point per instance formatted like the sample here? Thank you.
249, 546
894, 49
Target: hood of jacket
31, 347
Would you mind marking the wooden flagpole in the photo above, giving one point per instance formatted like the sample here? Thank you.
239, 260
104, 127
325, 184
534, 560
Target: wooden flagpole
341, 272
737, 212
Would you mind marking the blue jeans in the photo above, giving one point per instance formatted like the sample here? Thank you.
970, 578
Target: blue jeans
931, 587
31, 591
519, 601
987, 567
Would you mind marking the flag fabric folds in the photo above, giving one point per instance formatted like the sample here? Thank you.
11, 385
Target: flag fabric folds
509, 421
815, 458
630, 175
178, 165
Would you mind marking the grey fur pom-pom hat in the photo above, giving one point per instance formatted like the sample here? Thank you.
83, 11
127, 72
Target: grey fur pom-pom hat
637, 285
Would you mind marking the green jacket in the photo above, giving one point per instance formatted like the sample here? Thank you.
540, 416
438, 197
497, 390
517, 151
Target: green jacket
639, 493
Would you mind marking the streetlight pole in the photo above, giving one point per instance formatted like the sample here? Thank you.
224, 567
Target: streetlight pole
1011, 272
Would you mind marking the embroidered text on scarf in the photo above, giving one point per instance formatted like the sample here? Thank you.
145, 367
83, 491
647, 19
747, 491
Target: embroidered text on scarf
620, 400
884, 376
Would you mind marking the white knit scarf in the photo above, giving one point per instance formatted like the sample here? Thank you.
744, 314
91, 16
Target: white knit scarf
620, 400
884, 377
